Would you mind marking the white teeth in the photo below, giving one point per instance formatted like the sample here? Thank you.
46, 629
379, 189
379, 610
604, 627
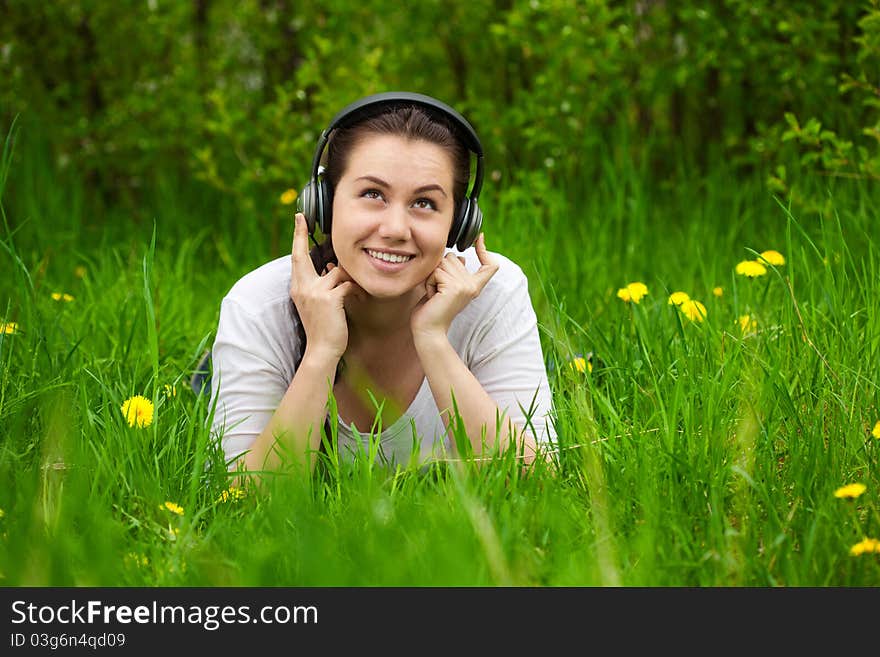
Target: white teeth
389, 257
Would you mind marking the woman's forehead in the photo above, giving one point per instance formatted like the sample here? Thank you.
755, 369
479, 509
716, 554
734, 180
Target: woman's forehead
400, 160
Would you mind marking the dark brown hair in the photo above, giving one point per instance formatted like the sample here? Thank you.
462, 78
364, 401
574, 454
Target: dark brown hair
405, 120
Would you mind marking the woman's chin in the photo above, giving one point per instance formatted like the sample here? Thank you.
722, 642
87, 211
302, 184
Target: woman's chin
388, 293
384, 294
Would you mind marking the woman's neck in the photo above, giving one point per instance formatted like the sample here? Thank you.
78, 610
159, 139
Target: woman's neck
371, 320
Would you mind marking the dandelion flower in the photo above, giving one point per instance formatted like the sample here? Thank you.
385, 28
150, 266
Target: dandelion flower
170, 390
2, 513
746, 324
773, 257
62, 296
718, 291
870, 545
876, 430
139, 560
850, 490
581, 364
694, 310
233, 493
678, 298
632, 292
8, 327
288, 196
138, 410
751, 268
174, 508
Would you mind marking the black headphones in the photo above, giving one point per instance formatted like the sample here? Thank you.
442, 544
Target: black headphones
316, 199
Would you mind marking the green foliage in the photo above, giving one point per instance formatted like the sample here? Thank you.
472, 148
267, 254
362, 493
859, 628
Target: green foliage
853, 150
232, 95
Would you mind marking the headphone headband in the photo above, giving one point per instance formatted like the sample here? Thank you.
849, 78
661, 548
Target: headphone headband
365, 107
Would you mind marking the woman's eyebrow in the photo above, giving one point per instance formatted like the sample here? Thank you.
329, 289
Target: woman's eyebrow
420, 190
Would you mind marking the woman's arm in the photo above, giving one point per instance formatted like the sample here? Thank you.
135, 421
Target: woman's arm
448, 375
258, 392
293, 432
502, 367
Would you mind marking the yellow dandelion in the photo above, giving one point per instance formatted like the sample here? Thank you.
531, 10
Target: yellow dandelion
8, 327
876, 430
288, 196
62, 296
581, 364
746, 324
170, 390
751, 268
174, 508
79, 271
773, 257
694, 310
678, 298
868, 545
233, 494
139, 560
632, 292
718, 291
2, 513
850, 490
138, 410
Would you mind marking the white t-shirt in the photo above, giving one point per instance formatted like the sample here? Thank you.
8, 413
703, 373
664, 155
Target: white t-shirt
495, 335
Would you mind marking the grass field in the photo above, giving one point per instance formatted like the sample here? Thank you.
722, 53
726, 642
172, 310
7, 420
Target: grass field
695, 450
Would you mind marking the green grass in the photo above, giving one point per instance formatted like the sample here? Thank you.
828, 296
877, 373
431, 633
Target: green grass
692, 455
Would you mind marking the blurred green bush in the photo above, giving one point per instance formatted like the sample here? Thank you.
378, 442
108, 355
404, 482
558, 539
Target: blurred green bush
233, 93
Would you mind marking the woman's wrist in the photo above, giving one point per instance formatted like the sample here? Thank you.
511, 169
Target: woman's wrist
429, 342
320, 358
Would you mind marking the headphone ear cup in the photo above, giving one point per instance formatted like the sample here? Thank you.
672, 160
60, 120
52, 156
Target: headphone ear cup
306, 203
315, 202
468, 227
474, 225
325, 207
458, 223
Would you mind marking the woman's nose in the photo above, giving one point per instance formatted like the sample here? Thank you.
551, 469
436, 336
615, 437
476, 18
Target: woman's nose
395, 223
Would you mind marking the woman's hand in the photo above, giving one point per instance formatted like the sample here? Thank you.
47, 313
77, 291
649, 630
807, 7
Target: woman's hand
448, 290
319, 299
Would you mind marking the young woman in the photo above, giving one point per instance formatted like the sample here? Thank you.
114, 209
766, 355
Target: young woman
384, 314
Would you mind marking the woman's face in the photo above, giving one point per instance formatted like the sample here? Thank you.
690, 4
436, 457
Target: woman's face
392, 213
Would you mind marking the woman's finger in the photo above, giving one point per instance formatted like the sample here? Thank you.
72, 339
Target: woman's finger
453, 263
300, 261
349, 289
482, 252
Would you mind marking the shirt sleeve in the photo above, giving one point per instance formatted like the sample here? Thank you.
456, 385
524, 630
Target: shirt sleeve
506, 358
248, 379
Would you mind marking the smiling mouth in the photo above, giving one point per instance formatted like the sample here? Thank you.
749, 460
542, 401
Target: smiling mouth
389, 257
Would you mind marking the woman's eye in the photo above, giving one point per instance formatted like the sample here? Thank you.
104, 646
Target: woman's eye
372, 194
425, 204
